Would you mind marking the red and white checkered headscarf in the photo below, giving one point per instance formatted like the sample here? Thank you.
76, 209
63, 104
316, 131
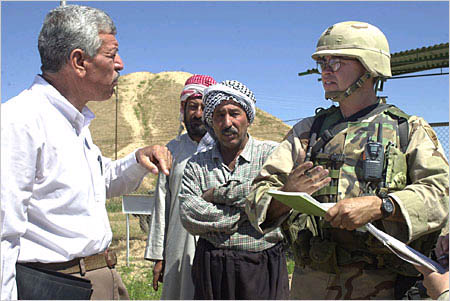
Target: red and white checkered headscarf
194, 87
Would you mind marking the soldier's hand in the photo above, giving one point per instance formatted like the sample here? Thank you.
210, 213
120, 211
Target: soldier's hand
304, 178
158, 270
352, 213
300, 179
155, 158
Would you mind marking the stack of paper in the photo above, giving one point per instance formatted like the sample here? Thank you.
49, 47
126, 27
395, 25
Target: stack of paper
302, 202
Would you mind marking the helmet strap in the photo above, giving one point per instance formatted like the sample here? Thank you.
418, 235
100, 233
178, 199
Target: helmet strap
341, 95
379, 82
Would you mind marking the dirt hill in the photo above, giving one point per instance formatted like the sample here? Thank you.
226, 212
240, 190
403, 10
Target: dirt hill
148, 112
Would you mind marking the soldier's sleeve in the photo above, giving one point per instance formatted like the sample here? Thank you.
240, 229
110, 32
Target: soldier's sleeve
424, 202
274, 174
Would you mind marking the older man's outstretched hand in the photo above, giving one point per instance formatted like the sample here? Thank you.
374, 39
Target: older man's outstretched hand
155, 158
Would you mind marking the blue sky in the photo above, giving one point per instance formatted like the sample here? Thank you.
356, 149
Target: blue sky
262, 44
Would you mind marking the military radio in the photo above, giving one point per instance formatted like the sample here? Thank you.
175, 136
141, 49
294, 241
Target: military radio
373, 158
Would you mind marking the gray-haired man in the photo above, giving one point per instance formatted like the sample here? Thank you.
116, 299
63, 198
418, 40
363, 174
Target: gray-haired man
54, 179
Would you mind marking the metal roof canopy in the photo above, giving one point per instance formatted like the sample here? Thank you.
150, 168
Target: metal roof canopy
414, 60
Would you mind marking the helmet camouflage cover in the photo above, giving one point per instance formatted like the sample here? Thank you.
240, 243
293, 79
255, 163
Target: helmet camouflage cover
359, 40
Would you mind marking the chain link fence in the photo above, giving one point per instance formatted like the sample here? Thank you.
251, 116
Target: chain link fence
441, 129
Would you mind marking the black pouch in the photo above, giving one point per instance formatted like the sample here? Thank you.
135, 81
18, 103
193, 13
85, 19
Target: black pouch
40, 284
409, 288
323, 255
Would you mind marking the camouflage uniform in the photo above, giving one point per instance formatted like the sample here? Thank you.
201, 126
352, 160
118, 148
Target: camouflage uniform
333, 263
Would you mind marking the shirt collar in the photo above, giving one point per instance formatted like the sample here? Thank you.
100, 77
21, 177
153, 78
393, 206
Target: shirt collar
188, 138
246, 153
248, 149
77, 120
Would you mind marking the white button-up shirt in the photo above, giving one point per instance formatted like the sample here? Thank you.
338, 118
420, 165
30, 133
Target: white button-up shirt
54, 182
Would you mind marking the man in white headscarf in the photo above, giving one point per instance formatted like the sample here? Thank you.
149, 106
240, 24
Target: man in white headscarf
169, 245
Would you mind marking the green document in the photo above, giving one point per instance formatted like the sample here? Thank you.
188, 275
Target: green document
302, 202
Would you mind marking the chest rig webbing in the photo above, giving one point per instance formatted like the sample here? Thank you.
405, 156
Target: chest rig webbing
314, 242
347, 161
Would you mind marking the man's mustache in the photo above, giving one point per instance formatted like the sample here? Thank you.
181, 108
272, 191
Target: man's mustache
196, 121
230, 130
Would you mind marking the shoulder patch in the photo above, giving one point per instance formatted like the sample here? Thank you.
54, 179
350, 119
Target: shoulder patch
431, 133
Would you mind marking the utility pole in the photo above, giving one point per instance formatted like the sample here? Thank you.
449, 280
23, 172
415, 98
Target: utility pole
116, 90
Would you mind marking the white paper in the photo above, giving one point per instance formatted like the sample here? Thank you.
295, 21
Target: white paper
404, 251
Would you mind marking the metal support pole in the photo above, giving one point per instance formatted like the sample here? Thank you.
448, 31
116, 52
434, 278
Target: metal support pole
128, 239
117, 110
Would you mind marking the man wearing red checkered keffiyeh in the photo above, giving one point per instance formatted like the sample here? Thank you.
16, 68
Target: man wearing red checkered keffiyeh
193, 89
169, 245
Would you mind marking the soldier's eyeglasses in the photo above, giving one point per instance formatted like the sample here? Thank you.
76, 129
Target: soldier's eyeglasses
334, 64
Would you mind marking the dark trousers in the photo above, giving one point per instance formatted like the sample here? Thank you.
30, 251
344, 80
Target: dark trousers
231, 274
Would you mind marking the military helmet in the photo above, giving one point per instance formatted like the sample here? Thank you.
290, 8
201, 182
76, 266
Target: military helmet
360, 40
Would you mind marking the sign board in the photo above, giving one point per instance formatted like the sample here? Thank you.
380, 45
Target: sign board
138, 203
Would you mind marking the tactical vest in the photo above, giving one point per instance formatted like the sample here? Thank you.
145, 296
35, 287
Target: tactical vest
339, 145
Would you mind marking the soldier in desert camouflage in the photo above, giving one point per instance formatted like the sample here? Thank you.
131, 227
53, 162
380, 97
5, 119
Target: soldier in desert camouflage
384, 167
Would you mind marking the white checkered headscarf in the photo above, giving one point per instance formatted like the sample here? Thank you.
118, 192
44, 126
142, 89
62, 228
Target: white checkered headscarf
215, 94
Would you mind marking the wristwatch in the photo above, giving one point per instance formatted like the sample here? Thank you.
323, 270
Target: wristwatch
387, 206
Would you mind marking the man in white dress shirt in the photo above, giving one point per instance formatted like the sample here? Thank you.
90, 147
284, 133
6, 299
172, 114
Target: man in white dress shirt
54, 180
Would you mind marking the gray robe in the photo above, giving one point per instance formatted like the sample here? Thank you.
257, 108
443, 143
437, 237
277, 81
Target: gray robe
167, 239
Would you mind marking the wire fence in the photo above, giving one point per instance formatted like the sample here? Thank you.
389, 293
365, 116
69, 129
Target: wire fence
441, 129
